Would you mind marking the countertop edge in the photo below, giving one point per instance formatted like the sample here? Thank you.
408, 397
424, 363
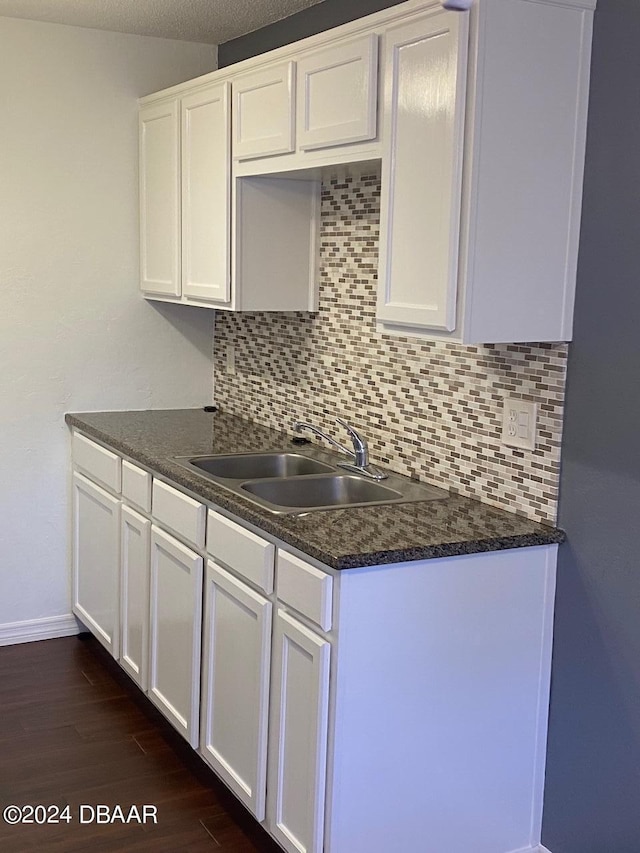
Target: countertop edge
450, 549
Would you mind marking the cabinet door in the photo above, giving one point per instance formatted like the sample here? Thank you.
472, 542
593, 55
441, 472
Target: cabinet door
176, 622
337, 94
134, 597
263, 108
237, 642
298, 743
159, 128
423, 135
206, 194
96, 553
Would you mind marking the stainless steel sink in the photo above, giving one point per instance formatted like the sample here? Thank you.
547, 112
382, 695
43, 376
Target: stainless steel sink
295, 483
259, 465
322, 492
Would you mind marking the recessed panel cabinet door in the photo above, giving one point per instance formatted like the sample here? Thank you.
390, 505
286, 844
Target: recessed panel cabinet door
237, 642
337, 94
175, 626
134, 596
206, 194
159, 127
96, 559
425, 86
298, 738
263, 112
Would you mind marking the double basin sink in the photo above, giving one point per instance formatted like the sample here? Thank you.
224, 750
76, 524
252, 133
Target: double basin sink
286, 482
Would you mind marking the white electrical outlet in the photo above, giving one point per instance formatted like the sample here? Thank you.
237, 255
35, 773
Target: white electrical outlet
519, 423
231, 360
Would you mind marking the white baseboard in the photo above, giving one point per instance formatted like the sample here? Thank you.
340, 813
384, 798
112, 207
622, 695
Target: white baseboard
38, 629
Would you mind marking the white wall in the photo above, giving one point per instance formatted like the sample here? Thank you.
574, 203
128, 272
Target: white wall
74, 333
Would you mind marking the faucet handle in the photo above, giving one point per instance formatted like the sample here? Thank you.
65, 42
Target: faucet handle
359, 444
353, 432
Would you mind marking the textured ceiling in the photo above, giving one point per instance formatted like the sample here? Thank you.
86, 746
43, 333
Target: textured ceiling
212, 21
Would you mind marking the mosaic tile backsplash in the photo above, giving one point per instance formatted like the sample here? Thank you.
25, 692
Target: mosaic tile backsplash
432, 411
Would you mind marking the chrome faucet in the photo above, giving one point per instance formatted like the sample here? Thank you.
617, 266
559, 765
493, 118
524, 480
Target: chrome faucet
360, 452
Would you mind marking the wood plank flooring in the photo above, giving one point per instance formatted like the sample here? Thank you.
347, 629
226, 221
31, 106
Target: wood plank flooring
75, 730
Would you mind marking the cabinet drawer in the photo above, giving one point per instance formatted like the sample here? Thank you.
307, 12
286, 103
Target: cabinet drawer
241, 550
306, 589
136, 485
99, 463
180, 513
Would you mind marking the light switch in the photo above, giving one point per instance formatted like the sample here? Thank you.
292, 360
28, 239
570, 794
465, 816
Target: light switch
519, 419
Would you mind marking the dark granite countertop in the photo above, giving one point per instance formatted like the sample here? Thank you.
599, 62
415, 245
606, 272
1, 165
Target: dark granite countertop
340, 538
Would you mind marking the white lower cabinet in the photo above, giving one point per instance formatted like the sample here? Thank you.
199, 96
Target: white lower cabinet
235, 694
392, 707
134, 595
96, 557
298, 741
175, 626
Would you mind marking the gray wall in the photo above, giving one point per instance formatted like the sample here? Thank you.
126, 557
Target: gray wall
592, 797
315, 19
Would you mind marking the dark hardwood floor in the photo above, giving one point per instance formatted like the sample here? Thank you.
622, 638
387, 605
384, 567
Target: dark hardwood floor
76, 731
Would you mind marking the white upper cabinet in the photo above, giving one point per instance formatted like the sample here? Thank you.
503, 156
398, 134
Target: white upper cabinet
251, 250
159, 126
263, 112
527, 113
337, 90
425, 64
206, 194
478, 119
482, 189
185, 196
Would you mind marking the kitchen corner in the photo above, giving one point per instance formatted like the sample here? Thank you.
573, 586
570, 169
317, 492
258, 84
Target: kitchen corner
373, 256
297, 422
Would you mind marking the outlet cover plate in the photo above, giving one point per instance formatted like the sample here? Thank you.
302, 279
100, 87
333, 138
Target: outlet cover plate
230, 360
519, 423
